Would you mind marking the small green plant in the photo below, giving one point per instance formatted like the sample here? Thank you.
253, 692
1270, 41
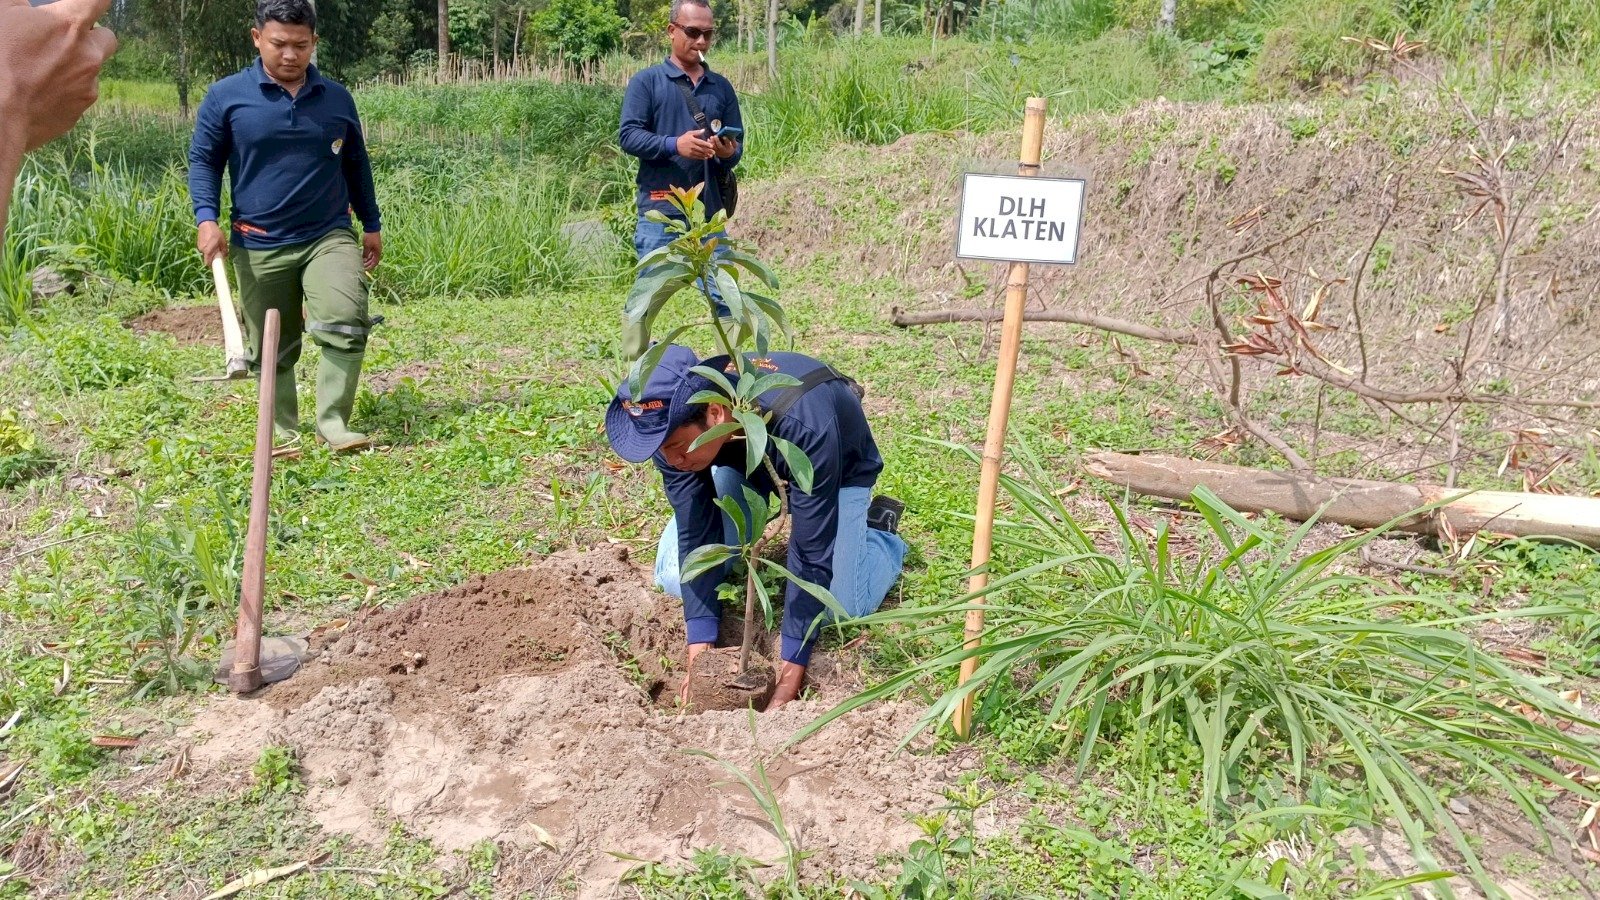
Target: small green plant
22, 456
276, 772
182, 571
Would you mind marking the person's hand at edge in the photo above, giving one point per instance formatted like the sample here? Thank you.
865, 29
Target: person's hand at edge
726, 147
371, 250
50, 60
694, 653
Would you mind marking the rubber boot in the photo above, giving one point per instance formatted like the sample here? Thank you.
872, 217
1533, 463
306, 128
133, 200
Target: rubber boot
285, 409
337, 378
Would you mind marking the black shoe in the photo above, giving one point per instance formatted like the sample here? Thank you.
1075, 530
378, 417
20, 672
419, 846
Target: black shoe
884, 514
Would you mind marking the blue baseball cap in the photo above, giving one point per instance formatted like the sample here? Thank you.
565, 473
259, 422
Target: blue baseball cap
637, 428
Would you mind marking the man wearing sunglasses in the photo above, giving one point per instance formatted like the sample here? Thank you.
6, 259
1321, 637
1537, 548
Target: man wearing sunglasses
659, 127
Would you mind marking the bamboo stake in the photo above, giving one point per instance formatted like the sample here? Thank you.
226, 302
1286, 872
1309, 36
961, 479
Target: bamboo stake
999, 411
246, 674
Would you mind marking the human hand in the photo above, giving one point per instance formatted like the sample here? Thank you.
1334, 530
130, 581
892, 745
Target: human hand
211, 242
694, 653
726, 147
371, 250
791, 678
50, 59
692, 146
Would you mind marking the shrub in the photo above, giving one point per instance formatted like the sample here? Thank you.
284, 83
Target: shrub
579, 30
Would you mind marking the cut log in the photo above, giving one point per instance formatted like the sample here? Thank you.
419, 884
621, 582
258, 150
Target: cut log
1354, 502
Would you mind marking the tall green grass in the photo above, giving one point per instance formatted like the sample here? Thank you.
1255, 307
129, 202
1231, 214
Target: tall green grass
1259, 647
470, 220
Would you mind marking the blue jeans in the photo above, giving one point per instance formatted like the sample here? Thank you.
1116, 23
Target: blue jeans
866, 561
648, 236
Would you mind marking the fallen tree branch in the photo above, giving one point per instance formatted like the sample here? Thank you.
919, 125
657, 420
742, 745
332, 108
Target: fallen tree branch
1307, 366
903, 319
1260, 432
1358, 503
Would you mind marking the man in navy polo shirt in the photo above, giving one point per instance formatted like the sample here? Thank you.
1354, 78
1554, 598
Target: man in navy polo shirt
840, 535
659, 128
297, 161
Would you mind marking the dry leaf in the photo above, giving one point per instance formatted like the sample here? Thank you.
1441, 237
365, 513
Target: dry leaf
414, 562
257, 879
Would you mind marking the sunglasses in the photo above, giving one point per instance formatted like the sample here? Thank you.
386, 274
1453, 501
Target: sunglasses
695, 34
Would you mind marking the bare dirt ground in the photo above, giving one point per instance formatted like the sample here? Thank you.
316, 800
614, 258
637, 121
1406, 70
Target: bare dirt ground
189, 325
523, 707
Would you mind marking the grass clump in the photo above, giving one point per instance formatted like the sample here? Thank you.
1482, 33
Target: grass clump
1266, 656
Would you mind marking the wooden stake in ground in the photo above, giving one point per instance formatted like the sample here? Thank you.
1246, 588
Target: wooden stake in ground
232, 339
999, 411
246, 674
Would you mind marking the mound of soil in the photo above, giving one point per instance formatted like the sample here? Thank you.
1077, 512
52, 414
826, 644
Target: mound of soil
188, 325
522, 707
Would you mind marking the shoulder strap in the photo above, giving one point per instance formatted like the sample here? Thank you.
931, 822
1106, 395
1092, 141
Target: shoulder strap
792, 395
688, 97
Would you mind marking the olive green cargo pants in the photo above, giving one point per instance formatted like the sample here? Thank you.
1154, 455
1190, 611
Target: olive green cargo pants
326, 278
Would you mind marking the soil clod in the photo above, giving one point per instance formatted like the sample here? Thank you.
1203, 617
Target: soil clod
716, 684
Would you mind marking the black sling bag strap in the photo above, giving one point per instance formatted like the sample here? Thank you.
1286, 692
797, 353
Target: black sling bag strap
792, 395
727, 182
694, 105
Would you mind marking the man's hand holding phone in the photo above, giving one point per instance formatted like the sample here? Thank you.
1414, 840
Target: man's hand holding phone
691, 144
726, 139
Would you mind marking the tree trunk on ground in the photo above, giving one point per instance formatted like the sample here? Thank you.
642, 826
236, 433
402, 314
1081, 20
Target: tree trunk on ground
1357, 503
861, 16
772, 40
1169, 14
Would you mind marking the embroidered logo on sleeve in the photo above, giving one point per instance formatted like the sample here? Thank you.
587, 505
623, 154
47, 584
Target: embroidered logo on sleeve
338, 145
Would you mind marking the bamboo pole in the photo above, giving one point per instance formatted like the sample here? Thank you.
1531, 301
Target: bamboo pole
999, 412
246, 674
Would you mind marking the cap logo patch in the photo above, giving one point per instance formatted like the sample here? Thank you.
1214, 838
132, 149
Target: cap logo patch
761, 363
638, 409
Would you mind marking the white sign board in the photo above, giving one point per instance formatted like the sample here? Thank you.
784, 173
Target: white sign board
1011, 218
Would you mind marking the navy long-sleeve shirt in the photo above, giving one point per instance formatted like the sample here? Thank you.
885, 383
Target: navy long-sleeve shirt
828, 424
296, 164
655, 115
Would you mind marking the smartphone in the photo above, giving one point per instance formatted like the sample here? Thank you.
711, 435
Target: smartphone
731, 132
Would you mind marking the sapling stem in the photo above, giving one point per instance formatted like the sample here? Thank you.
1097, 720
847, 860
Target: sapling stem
750, 567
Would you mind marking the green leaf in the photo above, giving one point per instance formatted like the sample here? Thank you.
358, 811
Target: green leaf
772, 382
659, 217
717, 378
704, 559
709, 397
740, 519
798, 462
753, 266
711, 434
639, 373
755, 437
822, 594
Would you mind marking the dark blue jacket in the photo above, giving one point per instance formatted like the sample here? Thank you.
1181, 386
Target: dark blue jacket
655, 115
828, 424
296, 164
